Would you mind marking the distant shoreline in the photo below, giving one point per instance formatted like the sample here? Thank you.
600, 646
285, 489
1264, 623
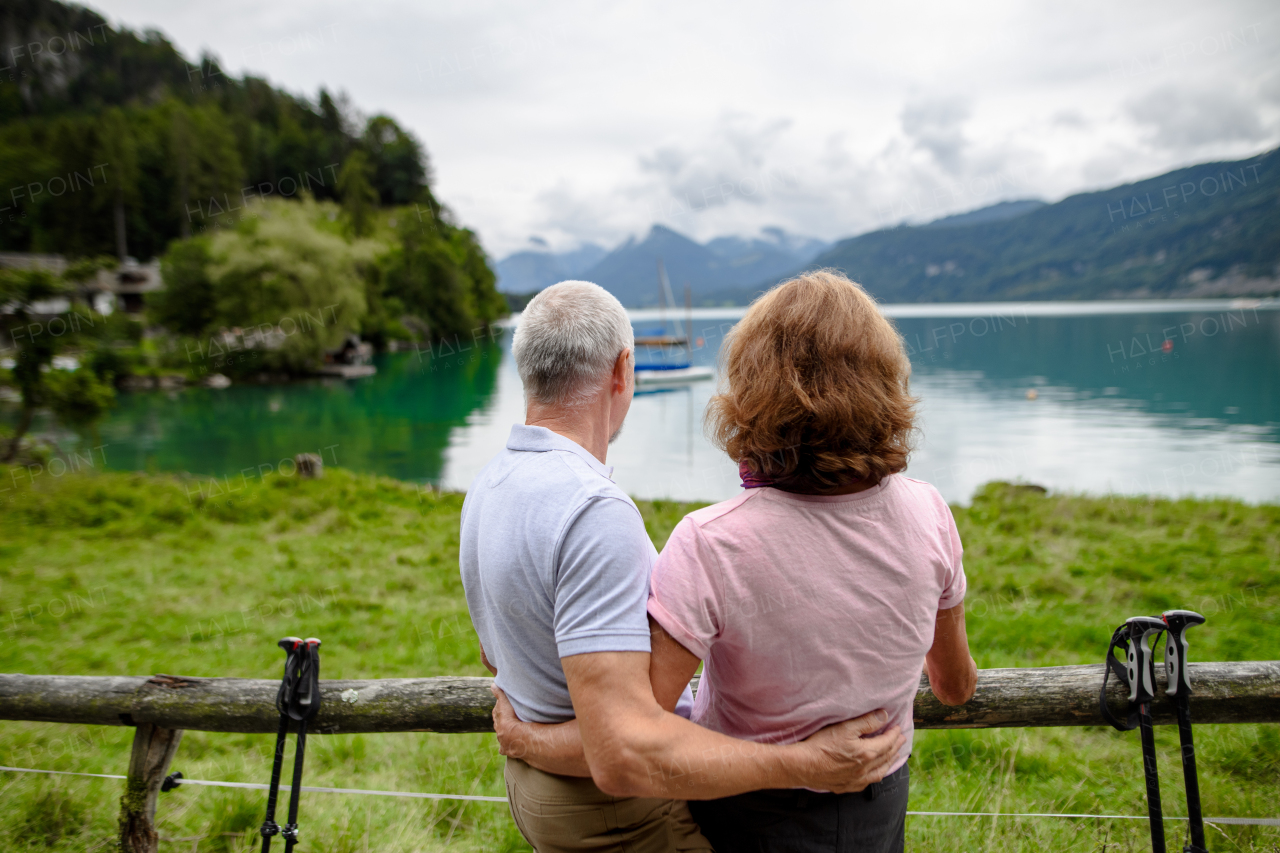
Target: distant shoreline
1030, 308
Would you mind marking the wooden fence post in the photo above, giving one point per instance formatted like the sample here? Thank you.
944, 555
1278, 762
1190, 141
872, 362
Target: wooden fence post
153, 749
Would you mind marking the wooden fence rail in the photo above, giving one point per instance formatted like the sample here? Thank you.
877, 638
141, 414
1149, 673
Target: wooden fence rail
162, 706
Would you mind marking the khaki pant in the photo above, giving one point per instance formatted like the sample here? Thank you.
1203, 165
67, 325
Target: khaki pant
560, 814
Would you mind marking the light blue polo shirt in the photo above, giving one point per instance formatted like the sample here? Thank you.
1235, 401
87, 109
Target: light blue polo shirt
555, 562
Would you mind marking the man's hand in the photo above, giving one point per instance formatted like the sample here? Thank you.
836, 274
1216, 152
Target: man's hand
506, 725
550, 748
636, 749
846, 759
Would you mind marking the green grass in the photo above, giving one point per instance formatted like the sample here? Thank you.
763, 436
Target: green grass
137, 574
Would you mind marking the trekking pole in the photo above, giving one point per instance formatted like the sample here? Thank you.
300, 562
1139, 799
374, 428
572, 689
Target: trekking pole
298, 699
269, 826
1142, 689
1175, 665
1138, 674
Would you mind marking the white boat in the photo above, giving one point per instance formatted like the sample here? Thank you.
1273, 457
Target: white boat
665, 373
679, 375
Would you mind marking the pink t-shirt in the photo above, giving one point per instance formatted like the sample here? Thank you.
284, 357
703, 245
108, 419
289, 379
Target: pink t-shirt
808, 610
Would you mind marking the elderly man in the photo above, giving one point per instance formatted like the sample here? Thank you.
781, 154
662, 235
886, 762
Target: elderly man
555, 562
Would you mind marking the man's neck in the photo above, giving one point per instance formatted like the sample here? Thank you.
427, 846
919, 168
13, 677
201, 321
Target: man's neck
585, 426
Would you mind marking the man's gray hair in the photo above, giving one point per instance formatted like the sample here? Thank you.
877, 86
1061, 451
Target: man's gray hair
567, 340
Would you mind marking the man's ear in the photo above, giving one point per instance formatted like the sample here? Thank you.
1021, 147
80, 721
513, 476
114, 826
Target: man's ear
621, 368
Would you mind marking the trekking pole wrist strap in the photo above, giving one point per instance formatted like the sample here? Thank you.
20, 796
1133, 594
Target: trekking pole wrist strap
1119, 640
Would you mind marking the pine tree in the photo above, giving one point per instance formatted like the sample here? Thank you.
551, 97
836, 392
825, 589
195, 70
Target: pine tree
359, 198
118, 150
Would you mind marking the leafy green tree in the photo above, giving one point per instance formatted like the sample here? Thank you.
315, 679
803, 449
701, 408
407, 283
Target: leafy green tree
34, 351
290, 263
487, 303
423, 273
281, 270
359, 198
186, 305
381, 323
76, 397
399, 163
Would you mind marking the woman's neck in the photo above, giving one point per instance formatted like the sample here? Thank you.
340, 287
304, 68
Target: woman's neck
848, 489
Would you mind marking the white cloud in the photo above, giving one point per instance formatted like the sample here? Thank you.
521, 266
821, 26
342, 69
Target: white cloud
936, 124
584, 121
1180, 119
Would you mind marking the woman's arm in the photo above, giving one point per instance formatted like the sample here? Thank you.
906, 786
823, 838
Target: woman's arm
558, 748
484, 659
671, 666
953, 675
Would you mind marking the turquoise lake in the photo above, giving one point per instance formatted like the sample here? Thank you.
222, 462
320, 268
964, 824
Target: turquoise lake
1176, 401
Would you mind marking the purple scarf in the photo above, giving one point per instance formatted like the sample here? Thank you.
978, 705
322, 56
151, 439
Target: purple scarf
751, 480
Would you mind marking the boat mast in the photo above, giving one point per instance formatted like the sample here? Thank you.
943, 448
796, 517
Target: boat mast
688, 329
667, 297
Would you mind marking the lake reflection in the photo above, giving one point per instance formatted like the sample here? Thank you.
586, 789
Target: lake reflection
399, 422
1115, 409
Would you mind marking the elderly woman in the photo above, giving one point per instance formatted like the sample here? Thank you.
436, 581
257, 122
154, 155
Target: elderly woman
821, 591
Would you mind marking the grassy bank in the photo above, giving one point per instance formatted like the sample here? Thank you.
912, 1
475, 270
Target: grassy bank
136, 574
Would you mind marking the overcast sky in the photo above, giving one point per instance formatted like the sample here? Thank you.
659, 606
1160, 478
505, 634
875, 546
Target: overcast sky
573, 122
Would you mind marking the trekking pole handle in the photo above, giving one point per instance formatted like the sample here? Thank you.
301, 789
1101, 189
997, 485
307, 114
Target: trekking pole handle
1178, 622
1142, 658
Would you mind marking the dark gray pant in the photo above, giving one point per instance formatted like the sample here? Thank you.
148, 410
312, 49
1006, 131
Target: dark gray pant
796, 821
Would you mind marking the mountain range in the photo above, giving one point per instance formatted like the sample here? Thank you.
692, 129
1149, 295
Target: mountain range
720, 266
533, 269
1207, 230
1211, 229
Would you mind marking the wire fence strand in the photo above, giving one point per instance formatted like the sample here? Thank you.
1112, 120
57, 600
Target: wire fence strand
1225, 821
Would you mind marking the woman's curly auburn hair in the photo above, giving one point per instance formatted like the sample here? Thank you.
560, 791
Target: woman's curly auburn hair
814, 389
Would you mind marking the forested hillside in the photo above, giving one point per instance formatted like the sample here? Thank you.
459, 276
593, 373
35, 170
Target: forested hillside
1208, 230
112, 143
99, 125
